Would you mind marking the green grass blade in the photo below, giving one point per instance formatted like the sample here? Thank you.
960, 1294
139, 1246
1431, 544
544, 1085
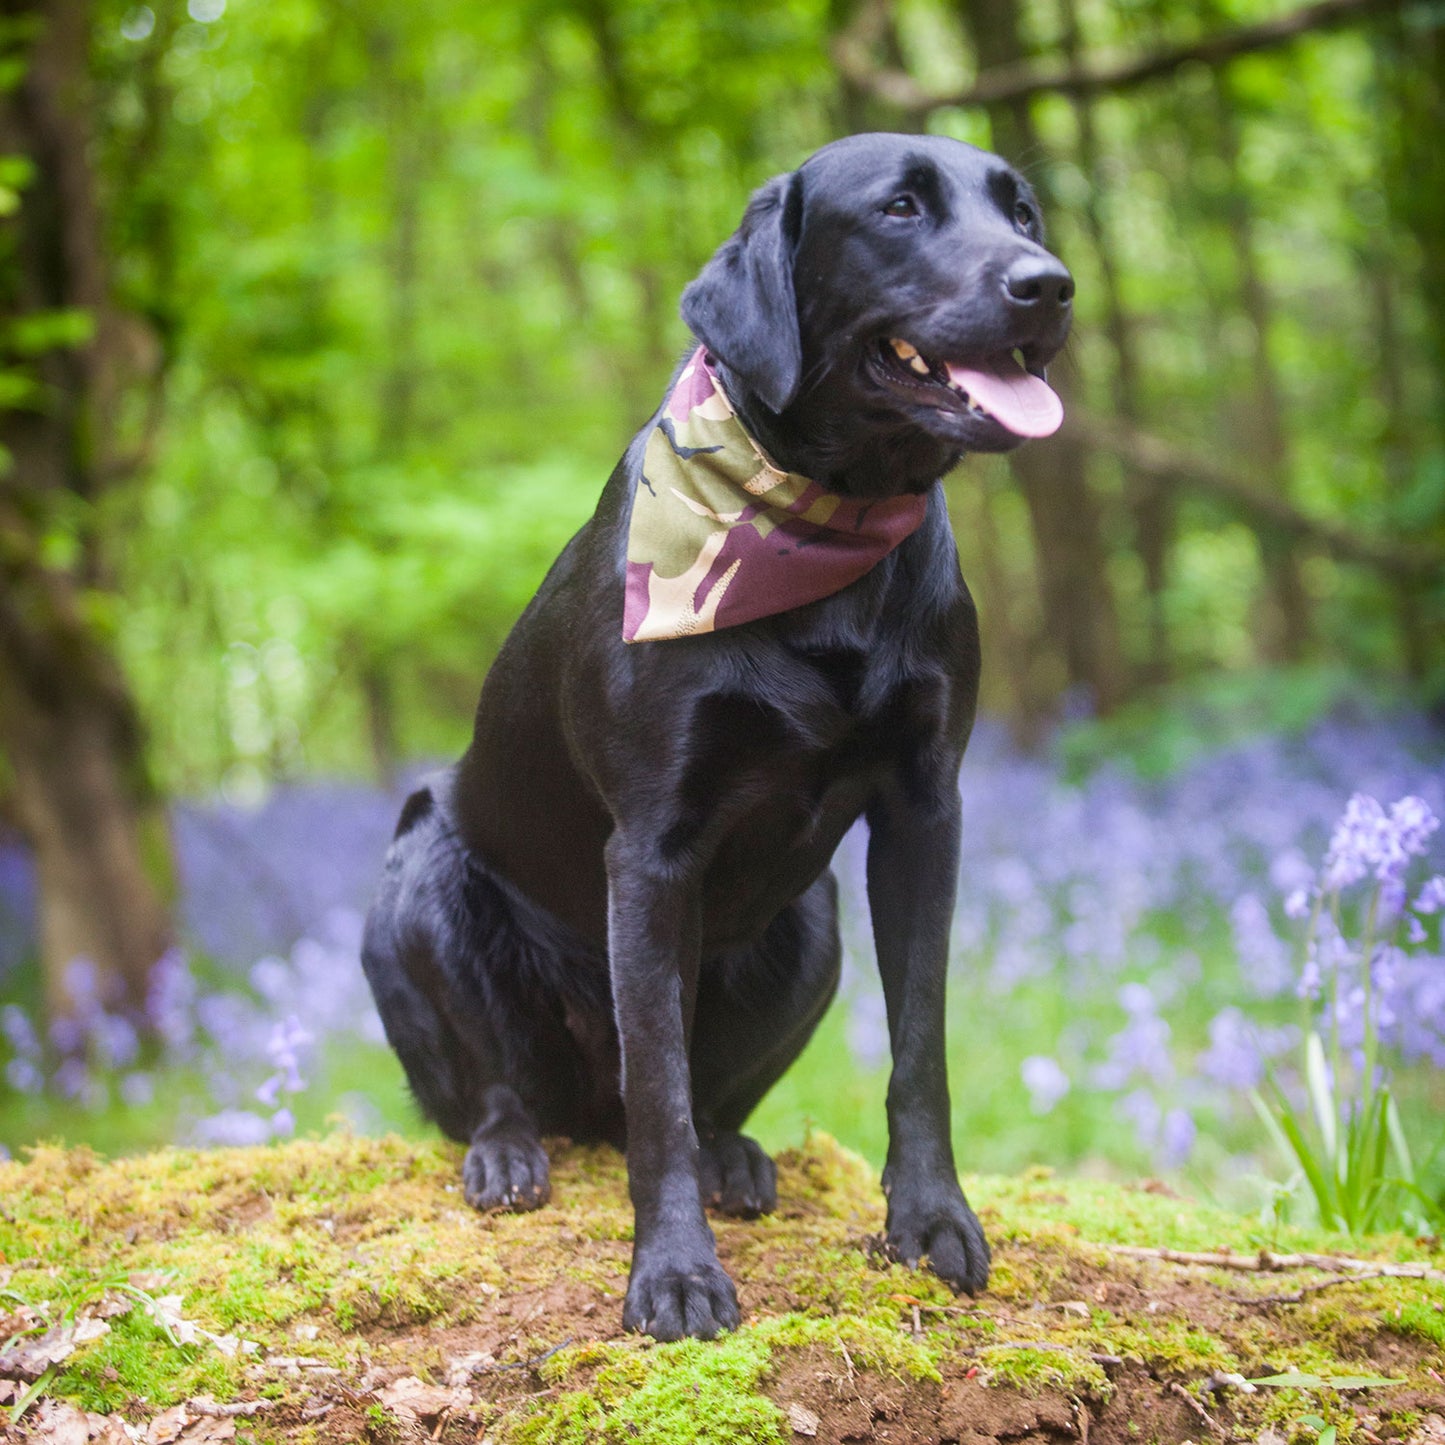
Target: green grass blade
1397, 1138
1322, 1099
33, 1393
1320, 1184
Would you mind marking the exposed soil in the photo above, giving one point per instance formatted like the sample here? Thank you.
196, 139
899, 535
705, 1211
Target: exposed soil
362, 1301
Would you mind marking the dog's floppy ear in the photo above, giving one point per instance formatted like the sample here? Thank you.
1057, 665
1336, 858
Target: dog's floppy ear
742, 307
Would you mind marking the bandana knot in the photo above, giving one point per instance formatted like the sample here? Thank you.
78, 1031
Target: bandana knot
720, 536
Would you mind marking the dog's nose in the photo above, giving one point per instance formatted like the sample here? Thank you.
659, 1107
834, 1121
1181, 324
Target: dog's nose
1038, 280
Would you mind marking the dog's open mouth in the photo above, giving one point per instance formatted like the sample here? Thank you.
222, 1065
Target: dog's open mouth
1017, 398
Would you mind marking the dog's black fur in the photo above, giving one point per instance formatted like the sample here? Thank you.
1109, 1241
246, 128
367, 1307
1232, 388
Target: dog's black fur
614, 919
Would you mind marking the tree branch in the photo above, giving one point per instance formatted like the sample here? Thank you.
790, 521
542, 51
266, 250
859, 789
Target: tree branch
1266, 1261
852, 53
1153, 457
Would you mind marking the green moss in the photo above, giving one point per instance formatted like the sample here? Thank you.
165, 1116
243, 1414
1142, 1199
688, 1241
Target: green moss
1171, 1345
365, 1250
870, 1344
692, 1391
1031, 1370
135, 1360
1422, 1317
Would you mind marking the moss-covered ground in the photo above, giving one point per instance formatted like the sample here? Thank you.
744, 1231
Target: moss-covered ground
341, 1290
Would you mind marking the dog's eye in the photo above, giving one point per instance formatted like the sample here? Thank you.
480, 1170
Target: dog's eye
1024, 214
901, 206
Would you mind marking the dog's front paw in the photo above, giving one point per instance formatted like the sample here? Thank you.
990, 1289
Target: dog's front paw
506, 1169
735, 1176
935, 1221
670, 1301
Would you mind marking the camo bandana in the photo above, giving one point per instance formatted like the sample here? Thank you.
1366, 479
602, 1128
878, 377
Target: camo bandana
720, 536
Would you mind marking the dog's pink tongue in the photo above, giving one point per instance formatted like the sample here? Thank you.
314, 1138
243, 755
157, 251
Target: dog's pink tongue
1027, 405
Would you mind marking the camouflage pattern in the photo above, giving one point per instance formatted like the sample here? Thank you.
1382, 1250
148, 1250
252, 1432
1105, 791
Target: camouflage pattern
720, 536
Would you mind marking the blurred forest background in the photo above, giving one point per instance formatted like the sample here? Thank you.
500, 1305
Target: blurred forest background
322, 324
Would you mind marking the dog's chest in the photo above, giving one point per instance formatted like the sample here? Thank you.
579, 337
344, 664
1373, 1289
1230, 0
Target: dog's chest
772, 778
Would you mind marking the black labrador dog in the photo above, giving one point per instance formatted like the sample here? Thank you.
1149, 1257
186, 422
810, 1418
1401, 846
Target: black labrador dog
614, 918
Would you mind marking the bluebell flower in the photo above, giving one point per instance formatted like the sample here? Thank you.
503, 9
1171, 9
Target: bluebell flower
1264, 958
1431, 897
232, 1127
23, 1076
1297, 904
1177, 1137
1141, 1109
19, 1031
1045, 1080
868, 1028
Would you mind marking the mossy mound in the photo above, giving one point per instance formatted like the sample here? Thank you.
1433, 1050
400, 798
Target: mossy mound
341, 1289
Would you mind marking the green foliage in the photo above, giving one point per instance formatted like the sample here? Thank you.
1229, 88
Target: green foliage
1158, 736
403, 279
1347, 1139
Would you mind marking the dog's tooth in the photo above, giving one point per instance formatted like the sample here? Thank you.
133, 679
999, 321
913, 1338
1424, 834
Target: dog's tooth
919, 364
905, 351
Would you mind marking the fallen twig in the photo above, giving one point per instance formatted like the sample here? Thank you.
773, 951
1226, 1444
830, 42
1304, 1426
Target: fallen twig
978, 1314
1266, 1261
1304, 1289
203, 1405
1045, 1345
520, 1364
1175, 1388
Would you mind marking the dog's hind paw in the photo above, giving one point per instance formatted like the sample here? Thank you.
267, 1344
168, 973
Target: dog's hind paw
673, 1303
506, 1171
735, 1176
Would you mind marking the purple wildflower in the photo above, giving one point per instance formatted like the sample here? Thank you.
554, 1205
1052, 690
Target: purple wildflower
1263, 957
233, 1127
116, 1042
1045, 1080
1414, 821
171, 1000
19, 1032
23, 1076
1141, 1109
1233, 1056
1178, 1135
868, 1029
1367, 840
1141, 1047
73, 1080
137, 1089
1431, 897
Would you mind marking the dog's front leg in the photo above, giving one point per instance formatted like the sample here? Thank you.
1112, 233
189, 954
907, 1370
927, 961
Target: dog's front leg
677, 1286
912, 879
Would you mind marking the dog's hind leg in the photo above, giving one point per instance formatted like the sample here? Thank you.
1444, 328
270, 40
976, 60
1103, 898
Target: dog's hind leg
433, 954
756, 1010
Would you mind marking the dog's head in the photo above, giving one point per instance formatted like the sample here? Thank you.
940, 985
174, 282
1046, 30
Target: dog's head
893, 287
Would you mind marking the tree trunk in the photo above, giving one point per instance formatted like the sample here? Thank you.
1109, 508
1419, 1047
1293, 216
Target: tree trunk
1286, 629
1412, 76
68, 726
1151, 509
1078, 603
